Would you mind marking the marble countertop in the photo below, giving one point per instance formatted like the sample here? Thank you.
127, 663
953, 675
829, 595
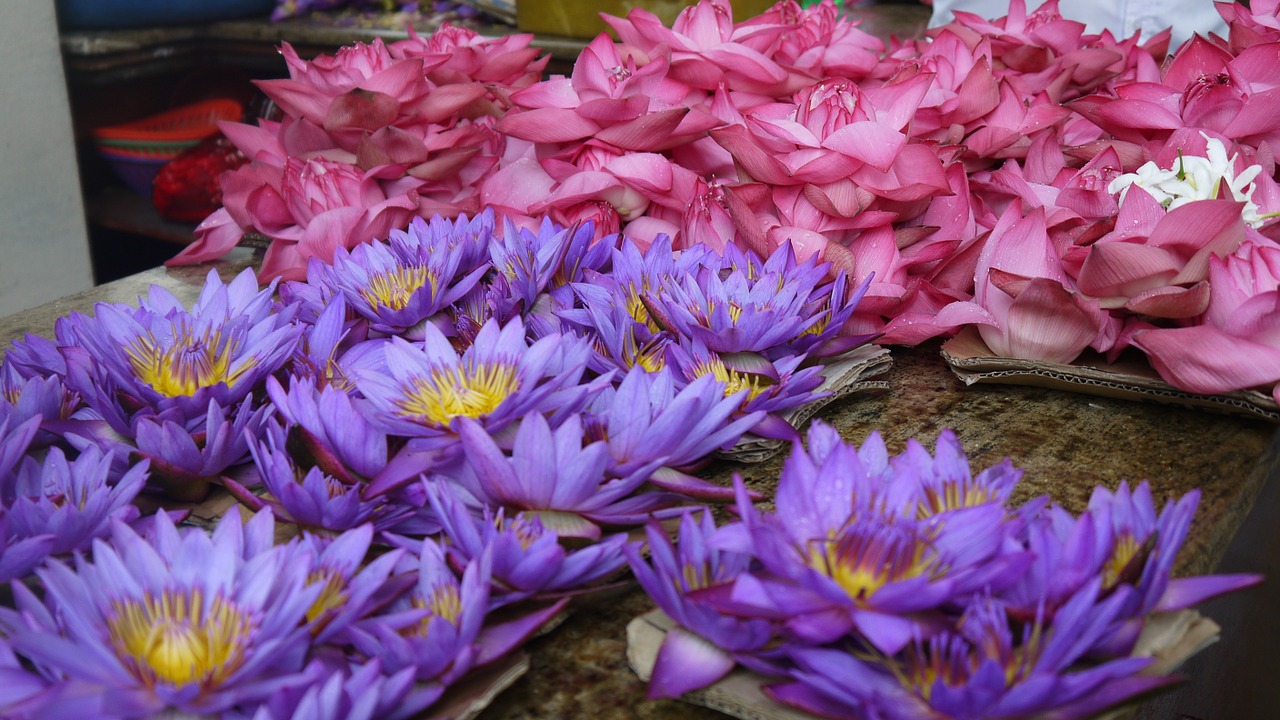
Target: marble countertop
1066, 444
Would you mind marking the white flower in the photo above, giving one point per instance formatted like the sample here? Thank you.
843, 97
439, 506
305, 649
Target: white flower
1195, 178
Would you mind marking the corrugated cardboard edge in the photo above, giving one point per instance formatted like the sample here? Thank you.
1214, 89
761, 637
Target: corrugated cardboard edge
1169, 638
973, 362
842, 376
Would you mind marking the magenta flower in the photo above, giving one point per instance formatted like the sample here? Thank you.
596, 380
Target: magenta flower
189, 623
1240, 311
456, 55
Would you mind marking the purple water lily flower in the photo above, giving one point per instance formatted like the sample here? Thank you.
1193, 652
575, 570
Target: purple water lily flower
734, 310
34, 356
45, 397
161, 356
71, 500
329, 430
321, 346
398, 285
620, 341
528, 559
845, 553
768, 386
646, 419
708, 643
554, 476
19, 556
23, 694
985, 667
348, 692
532, 264
439, 628
351, 588
184, 622
309, 496
426, 388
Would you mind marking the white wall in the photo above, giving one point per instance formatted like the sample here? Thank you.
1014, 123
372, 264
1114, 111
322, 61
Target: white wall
44, 248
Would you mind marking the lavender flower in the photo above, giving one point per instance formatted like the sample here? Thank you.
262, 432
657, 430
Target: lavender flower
647, 420
426, 388
707, 644
185, 622
398, 285
554, 476
438, 630
528, 559
70, 500
349, 692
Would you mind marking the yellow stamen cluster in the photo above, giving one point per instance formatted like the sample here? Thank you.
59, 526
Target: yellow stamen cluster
445, 603
331, 597
186, 365
734, 381
1123, 550
178, 639
953, 495
394, 288
470, 389
861, 564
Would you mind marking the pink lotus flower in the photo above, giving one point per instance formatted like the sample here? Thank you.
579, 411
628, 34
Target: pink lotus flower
1038, 314
611, 100
309, 208
1253, 25
1237, 345
819, 41
707, 50
455, 55
1156, 264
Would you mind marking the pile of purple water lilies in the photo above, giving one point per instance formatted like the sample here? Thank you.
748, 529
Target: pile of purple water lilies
908, 588
426, 417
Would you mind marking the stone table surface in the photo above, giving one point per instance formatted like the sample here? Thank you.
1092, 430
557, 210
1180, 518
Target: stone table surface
1066, 444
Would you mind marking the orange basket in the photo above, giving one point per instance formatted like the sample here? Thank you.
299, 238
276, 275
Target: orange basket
185, 125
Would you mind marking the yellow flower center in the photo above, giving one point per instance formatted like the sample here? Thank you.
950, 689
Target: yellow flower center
471, 390
444, 603
862, 562
1126, 547
638, 312
186, 365
394, 288
734, 381
953, 496
331, 597
176, 639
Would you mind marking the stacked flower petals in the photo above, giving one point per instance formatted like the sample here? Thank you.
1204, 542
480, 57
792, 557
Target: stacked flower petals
907, 587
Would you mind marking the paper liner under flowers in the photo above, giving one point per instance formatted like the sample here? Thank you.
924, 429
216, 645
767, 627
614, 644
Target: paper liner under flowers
973, 362
844, 375
1170, 638
467, 698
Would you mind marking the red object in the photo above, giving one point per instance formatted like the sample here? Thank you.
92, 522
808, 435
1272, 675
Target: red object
187, 188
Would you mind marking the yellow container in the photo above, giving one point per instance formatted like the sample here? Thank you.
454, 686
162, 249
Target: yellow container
581, 18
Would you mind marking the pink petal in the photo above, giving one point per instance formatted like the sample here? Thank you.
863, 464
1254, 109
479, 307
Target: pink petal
759, 165
1124, 269
651, 132
1204, 359
547, 125
1171, 301
868, 141
1045, 322
214, 238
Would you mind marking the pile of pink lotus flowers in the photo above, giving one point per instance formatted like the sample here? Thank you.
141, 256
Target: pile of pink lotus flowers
984, 175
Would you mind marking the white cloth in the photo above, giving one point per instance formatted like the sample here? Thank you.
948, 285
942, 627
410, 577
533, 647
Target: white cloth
1122, 17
